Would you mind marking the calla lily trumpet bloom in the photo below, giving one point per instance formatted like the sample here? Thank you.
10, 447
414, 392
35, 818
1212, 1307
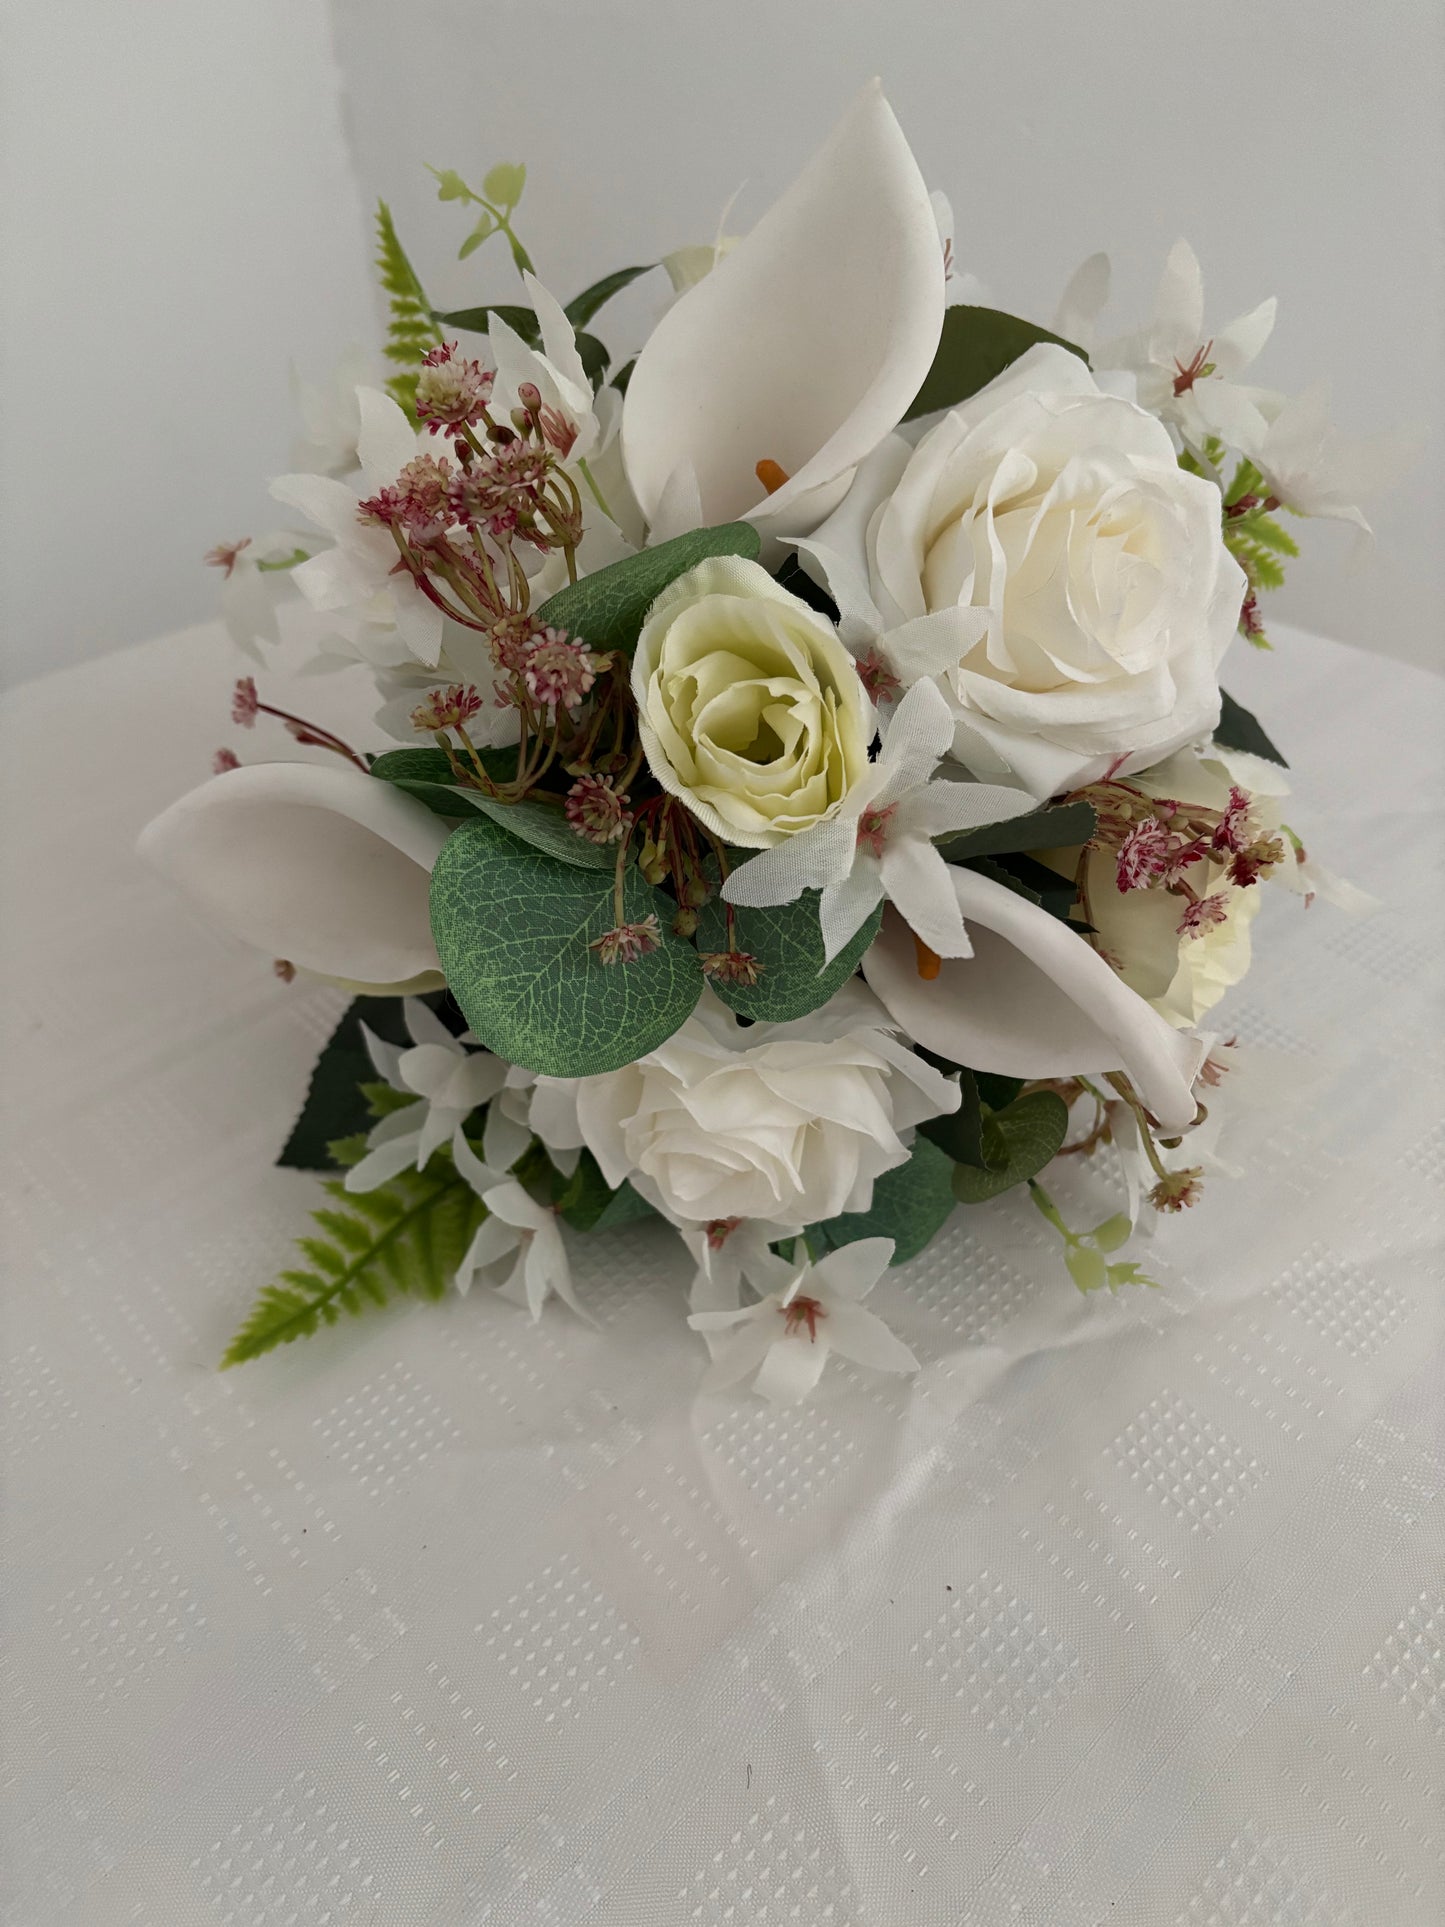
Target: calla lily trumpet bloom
1033, 1001
327, 868
801, 349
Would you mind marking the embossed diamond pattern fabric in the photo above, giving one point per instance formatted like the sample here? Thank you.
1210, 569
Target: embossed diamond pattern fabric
1125, 1610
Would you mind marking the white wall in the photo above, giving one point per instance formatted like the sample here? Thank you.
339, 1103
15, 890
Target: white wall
1299, 144
181, 220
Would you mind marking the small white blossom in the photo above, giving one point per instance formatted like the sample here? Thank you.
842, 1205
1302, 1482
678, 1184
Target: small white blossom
1187, 377
785, 1340
731, 1252
519, 1232
449, 1080
330, 415
880, 844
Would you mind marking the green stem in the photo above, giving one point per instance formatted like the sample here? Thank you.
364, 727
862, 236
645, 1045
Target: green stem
598, 497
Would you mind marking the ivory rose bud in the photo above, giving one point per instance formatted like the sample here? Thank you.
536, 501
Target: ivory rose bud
1182, 973
1044, 556
788, 1124
749, 707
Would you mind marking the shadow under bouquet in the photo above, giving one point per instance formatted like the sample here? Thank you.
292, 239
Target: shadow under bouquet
803, 799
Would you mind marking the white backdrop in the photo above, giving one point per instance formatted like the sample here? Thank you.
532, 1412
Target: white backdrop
184, 216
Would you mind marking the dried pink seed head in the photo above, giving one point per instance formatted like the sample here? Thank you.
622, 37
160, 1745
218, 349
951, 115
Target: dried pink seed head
245, 704
596, 811
628, 941
447, 708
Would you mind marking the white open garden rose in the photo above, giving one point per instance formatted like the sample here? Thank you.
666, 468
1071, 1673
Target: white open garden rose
785, 1123
749, 707
1044, 556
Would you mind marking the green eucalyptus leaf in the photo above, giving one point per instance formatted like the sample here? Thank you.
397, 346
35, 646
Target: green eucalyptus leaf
976, 345
910, 1204
581, 308
1054, 827
1028, 1134
788, 943
544, 828
607, 609
513, 929
427, 775
1238, 729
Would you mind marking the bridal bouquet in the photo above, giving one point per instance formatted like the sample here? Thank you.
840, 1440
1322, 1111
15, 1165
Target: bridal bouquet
803, 799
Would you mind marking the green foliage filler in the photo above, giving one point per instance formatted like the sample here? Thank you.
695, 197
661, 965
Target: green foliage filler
1057, 826
788, 944
1238, 729
405, 1239
606, 610
1017, 1142
411, 331
514, 929
427, 774
339, 1102
976, 345
910, 1203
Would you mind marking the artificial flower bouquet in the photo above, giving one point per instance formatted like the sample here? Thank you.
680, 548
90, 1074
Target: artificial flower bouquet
803, 799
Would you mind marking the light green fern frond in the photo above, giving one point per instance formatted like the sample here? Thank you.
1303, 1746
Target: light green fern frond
411, 332
405, 1239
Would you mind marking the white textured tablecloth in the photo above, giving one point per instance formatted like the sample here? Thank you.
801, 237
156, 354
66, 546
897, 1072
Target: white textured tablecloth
1124, 1610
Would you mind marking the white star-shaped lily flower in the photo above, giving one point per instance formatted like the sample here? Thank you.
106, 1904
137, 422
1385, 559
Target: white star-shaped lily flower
528, 1234
1188, 378
1312, 467
449, 1080
360, 574
880, 844
574, 420
330, 414
786, 1339
729, 1253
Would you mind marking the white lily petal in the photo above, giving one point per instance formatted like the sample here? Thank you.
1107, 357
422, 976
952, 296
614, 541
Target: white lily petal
324, 866
791, 1367
387, 441
915, 880
1034, 1000
480, 1174
735, 1359
1083, 301
859, 1334
503, 1139
383, 1163
847, 904
384, 1056
918, 735
425, 1027
559, 341
945, 806
809, 861
751, 364
853, 1270
331, 505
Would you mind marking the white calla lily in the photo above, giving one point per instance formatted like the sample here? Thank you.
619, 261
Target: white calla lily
325, 867
1034, 1000
801, 349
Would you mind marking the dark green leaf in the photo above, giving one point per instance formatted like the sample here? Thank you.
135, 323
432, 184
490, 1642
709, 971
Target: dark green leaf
961, 1135
793, 577
581, 308
1036, 881
1028, 1135
606, 609
788, 943
595, 358
1056, 826
427, 775
997, 1092
1238, 729
976, 345
513, 929
476, 321
910, 1204
623, 376
589, 1203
